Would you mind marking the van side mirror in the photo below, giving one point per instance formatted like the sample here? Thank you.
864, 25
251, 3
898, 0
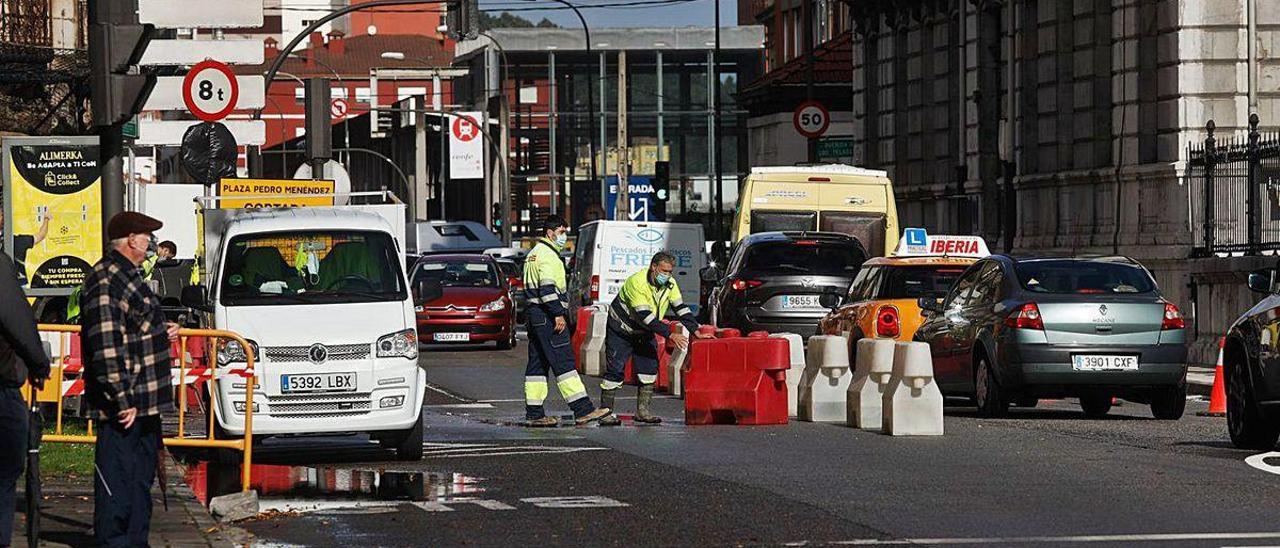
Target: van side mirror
930, 304
196, 297
1262, 280
710, 274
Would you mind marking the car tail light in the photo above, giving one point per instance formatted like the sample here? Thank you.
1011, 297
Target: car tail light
1172, 318
595, 287
806, 242
743, 285
515, 282
1026, 316
887, 324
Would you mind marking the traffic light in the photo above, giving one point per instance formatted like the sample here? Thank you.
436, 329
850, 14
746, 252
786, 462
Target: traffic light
462, 19
496, 215
118, 90
319, 132
661, 181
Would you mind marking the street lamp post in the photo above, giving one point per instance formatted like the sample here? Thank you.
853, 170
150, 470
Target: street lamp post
718, 218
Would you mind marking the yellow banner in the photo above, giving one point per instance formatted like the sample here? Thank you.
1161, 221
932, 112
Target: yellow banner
274, 193
54, 211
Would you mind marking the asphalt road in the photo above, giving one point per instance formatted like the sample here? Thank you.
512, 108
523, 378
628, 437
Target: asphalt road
1043, 476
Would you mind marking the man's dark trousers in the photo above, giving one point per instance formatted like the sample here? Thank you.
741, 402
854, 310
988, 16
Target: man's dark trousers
14, 423
126, 466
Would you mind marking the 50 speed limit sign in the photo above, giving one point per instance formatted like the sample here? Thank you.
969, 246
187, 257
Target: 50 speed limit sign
811, 119
210, 90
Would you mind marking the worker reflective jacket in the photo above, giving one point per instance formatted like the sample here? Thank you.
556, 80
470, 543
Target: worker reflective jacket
641, 305
544, 281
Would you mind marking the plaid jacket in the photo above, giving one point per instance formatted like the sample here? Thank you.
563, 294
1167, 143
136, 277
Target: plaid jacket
126, 348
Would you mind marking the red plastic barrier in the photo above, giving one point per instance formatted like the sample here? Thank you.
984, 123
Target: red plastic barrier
758, 335
737, 381
707, 330
728, 333
580, 336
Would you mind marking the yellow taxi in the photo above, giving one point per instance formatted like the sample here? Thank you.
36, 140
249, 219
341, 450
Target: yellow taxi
883, 300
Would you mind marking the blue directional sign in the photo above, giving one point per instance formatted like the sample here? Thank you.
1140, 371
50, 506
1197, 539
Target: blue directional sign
641, 195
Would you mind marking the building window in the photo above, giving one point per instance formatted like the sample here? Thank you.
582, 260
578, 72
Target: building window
362, 95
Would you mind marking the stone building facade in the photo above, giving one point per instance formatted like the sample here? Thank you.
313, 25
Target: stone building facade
1062, 126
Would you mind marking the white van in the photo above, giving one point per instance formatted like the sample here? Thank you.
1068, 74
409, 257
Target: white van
607, 252
322, 298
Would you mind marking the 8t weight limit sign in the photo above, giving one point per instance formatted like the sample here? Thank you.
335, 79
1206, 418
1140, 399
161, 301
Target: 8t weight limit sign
210, 90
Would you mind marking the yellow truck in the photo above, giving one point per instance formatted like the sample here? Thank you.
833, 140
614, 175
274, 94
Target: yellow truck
829, 198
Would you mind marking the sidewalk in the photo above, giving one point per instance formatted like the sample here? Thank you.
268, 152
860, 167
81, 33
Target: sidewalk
67, 516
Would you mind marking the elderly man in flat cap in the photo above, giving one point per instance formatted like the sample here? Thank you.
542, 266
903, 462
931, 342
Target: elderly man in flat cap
126, 346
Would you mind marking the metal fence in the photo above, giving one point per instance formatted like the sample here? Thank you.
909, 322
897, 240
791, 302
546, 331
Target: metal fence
1235, 191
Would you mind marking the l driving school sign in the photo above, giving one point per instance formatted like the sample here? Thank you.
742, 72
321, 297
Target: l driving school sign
259, 193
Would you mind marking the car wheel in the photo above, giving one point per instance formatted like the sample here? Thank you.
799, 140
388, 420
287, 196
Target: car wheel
987, 392
509, 342
1026, 401
1096, 406
1167, 404
1248, 425
406, 443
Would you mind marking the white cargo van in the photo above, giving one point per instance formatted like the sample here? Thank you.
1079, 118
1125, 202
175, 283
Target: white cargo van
607, 252
322, 298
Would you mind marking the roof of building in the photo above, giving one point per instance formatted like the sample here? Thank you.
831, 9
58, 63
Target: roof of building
360, 54
614, 39
832, 64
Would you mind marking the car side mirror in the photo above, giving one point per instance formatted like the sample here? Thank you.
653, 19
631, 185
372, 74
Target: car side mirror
709, 274
829, 301
930, 305
1263, 280
196, 297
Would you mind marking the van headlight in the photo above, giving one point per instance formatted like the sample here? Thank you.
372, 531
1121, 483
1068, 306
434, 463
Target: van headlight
498, 304
401, 344
230, 351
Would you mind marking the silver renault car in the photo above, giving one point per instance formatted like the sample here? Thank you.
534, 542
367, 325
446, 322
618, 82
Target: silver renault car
1012, 330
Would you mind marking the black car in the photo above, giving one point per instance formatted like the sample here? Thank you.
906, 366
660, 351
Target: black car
783, 281
1251, 367
1014, 330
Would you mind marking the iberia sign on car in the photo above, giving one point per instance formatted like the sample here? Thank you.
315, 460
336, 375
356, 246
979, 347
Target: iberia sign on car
883, 300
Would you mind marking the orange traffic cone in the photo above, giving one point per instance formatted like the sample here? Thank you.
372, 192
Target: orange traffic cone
1217, 396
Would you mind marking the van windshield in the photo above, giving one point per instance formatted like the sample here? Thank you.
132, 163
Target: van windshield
311, 267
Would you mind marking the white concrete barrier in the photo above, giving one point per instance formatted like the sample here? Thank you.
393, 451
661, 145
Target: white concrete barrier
873, 368
593, 360
676, 363
797, 369
912, 401
825, 383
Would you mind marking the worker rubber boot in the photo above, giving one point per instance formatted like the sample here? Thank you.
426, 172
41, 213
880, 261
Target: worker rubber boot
544, 422
606, 402
644, 398
600, 413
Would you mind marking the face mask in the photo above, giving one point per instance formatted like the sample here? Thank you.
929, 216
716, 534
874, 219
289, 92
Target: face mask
562, 239
152, 249
662, 279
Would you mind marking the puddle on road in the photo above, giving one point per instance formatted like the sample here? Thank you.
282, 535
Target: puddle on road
329, 483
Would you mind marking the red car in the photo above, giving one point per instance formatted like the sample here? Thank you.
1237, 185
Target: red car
463, 299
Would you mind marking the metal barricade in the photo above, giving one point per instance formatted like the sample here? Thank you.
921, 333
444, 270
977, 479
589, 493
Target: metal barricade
183, 364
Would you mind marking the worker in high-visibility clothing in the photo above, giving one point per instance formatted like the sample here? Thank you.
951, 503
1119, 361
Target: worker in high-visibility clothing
634, 318
546, 317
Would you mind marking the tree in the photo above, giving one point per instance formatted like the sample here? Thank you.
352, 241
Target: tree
506, 20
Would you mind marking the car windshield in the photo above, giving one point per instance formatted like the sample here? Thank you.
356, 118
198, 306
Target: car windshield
1075, 276
311, 267
510, 269
913, 282
804, 257
455, 273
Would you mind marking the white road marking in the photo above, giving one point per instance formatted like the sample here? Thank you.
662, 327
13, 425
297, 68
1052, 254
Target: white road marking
480, 405
308, 506
591, 501
1155, 537
461, 450
443, 504
1259, 461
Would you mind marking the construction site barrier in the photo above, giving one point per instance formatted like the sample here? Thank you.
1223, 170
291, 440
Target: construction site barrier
912, 402
873, 365
825, 383
191, 371
736, 380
